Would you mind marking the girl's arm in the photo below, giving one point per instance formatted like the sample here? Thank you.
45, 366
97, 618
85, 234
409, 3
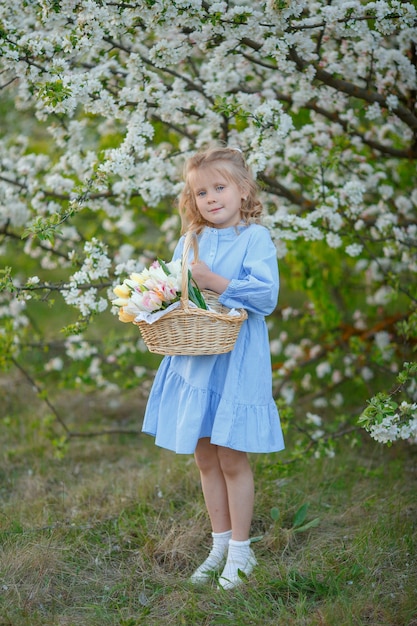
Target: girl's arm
256, 288
206, 279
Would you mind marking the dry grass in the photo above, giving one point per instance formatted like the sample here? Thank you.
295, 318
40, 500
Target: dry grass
108, 534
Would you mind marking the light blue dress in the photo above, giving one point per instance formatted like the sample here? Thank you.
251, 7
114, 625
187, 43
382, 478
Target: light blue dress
227, 397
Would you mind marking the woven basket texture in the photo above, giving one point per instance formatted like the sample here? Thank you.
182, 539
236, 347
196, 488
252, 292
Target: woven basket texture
193, 331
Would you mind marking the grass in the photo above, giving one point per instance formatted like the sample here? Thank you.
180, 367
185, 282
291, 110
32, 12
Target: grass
109, 533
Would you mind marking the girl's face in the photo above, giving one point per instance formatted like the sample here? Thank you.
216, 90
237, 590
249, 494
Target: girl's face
218, 199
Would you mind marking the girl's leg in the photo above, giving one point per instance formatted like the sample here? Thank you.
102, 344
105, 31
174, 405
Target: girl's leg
238, 477
240, 488
213, 485
215, 496
227, 483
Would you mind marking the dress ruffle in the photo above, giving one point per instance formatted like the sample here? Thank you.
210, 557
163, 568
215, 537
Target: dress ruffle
186, 413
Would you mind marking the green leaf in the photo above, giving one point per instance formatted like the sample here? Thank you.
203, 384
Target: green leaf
164, 267
191, 293
195, 294
275, 513
300, 529
6, 281
300, 515
199, 296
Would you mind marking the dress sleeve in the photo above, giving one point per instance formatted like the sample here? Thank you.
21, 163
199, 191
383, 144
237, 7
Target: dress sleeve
256, 289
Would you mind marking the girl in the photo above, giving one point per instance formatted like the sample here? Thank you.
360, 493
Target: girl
220, 407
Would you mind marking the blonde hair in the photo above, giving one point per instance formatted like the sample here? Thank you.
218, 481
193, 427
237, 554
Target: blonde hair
228, 162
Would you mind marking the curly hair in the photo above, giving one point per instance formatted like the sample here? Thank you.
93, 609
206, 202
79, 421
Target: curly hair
228, 162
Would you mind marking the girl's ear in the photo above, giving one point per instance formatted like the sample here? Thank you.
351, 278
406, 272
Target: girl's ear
244, 193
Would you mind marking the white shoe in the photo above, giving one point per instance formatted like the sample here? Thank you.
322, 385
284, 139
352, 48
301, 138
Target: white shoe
204, 573
235, 573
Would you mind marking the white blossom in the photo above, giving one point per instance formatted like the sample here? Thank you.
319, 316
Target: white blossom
323, 369
33, 280
56, 364
354, 249
333, 240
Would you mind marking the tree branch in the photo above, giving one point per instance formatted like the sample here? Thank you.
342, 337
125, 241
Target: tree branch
275, 187
101, 433
334, 116
355, 91
39, 391
9, 82
16, 183
342, 20
7, 233
347, 332
70, 434
375, 145
192, 85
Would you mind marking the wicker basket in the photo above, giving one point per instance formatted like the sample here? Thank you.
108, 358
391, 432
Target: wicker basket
193, 331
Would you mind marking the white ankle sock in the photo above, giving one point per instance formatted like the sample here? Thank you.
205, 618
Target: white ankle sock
239, 557
215, 558
221, 543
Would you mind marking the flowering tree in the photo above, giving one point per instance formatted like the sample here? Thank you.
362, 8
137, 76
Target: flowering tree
102, 101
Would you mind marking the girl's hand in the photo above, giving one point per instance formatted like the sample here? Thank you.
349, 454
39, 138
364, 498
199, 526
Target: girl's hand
206, 279
200, 272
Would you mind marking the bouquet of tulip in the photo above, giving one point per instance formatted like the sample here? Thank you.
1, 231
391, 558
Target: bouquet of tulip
154, 290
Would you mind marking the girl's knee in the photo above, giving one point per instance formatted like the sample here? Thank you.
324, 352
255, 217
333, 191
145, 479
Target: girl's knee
205, 455
232, 461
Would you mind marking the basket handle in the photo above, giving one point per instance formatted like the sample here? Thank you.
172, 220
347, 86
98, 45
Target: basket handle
190, 240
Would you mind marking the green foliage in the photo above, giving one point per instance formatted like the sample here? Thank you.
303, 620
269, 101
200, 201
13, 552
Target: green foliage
408, 328
380, 406
56, 6
195, 294
275, 513
8, 348
279, 5
53, 91
77, 328
385, 407
316, 270
6, 282
299, 523
48, 228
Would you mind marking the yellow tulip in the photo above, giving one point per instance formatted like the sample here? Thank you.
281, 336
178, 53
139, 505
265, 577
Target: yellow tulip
120, 301
126, 317
138, 278
122, 291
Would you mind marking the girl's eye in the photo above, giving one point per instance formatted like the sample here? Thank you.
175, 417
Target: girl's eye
219, 187
200, 194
